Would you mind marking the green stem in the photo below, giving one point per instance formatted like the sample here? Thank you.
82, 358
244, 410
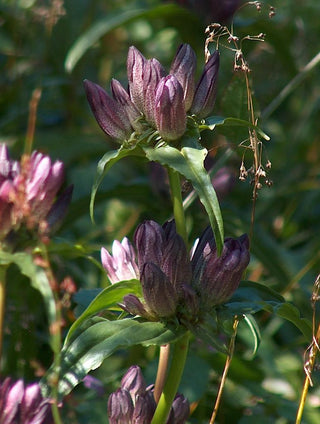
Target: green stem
178, 211
179, 357
3, 270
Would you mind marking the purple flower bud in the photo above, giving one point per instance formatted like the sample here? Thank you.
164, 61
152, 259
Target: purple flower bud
135, 67
20, 404
108, 112
144, 408
217, 277
133, 381
158, 291
122, 264
181, 409
133, 306
206, 91
122, 97
153, 72
169, 110
43, 184
149, 238
120, 407
183, 67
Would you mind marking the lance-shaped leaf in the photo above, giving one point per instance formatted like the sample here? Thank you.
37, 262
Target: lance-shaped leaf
105, 163
99, 339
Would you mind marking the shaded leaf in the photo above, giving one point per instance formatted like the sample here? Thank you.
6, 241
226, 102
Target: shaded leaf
105, 163
111, 22
212, 121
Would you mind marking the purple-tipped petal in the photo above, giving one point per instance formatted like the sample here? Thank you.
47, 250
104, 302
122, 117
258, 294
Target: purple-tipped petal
158, 291
133, 381
206, 91
184, 67
121, 265
120, 407
144, 408
135, 68
129, 109
133, 306
181, 409
149, 238
170, 113
215, 277
153, 72
107, 112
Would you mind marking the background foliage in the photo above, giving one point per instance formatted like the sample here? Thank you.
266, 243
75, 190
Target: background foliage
52, 46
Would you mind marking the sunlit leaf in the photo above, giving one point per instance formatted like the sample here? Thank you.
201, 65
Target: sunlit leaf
106, 299
189, 162
101, 338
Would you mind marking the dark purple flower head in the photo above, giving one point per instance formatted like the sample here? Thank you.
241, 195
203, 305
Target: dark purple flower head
155, 100
172, 284
120, 407
215, 277
206, 90
133, 381
23, 404
134, 403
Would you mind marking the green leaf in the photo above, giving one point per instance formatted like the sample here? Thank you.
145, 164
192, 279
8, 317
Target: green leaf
37, 276
101, 339
189, 162
253, 297
107, 299
105, 163
291, 313
212, 121
255, 332
111, 22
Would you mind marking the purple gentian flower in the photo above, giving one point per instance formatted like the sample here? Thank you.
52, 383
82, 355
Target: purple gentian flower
155, 99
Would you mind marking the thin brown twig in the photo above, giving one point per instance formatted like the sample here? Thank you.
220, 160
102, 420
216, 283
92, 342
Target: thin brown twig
313, 351
225, 371
33, 107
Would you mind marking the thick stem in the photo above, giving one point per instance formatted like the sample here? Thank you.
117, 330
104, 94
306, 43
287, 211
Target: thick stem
179, 357
177, 203
162, 371
3, 270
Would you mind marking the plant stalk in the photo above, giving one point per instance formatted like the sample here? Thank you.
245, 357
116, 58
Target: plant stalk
179, 357
162, 371
177, 203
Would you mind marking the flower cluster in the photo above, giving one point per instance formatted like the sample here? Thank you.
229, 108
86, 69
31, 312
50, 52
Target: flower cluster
23, 404
155, 99
28, 193
134, 403
173, 283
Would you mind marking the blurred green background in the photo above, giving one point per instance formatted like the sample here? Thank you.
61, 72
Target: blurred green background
52, 46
